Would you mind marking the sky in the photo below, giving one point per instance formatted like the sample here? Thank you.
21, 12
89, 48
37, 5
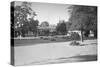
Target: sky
50, 12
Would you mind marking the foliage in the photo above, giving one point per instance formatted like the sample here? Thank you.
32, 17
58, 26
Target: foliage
84, 18
33, 26
68, 25
52, 39
61, 28
74, 36
75, 43
44, 24
45, 30
21, 23
86, 33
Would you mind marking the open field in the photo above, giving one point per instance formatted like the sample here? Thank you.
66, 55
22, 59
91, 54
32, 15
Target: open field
57, 52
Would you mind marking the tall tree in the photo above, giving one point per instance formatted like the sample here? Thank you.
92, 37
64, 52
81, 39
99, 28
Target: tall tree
21, 20
33, 26
84, 18
61, 27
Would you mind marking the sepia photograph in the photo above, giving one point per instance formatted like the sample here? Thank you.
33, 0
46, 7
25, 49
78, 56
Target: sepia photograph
52, 33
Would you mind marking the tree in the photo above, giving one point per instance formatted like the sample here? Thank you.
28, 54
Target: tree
84, 18
61, 28
45, 28
68, 25
33, 26
21, 20
44, 24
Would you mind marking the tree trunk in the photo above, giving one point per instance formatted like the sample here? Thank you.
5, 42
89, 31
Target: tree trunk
81, 36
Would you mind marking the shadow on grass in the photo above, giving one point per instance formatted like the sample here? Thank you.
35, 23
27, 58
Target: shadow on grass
85, 57
78, 58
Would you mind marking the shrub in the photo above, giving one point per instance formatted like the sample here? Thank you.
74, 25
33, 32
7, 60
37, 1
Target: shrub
64, 37
75, 36
45, 38
53, 39
41, 37
75, 43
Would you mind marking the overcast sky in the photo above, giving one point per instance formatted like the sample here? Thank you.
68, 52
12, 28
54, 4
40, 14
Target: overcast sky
50, 12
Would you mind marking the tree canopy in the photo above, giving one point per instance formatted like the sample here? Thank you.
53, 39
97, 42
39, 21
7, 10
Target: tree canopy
84, 18
61, 27
44, 24
21, 23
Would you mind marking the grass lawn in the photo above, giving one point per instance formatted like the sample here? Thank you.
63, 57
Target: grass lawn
26, 42
55, 52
